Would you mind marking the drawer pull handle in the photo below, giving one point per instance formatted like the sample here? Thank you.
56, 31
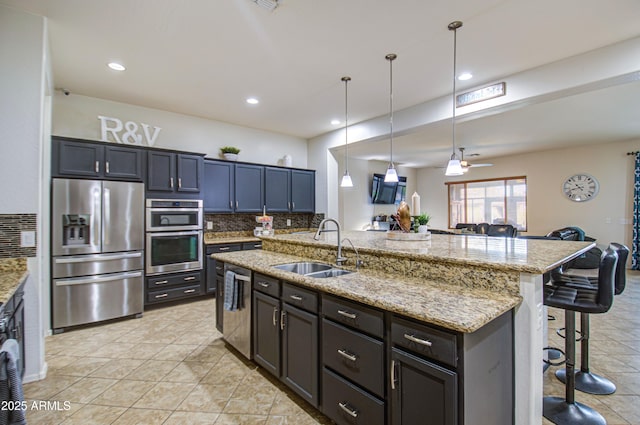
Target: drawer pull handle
189, 291
417, 340
295, 297
258, 245
351, 412
347, 314
275, 316
282, 317
162, 282
224, 248
190, 278
347, 355
263, 284
162, 295
393, 374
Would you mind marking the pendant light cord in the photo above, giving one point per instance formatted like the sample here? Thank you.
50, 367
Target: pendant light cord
390, 57
453, 26
346, 125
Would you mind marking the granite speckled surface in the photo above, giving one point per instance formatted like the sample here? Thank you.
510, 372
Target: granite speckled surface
13, 273
511, 254
453, 307
456, 281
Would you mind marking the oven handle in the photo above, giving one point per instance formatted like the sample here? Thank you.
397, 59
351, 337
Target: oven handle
97, 279
187, 233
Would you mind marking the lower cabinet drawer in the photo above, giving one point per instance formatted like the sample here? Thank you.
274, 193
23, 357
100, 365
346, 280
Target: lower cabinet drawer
354, 356
174, 293
347, 404
158, 282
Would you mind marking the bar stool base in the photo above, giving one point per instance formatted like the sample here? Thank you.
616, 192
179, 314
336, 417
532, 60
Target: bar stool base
558, 411
589, 383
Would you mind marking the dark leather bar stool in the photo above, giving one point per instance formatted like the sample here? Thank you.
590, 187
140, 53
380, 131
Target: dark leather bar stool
503, 230
586, 381
565, 411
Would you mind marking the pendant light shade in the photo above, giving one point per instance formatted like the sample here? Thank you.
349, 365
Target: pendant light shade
346, 179
454, 168
391, 176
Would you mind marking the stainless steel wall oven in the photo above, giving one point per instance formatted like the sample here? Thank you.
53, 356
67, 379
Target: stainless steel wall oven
174, 236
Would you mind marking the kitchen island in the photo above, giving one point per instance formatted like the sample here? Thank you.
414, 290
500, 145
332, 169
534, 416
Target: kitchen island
458, 282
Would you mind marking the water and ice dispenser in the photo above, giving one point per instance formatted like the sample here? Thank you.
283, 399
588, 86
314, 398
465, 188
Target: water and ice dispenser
76, 229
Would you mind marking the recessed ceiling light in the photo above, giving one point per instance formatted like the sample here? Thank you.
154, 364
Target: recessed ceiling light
465, 76
335, 122
252, 101
116, 66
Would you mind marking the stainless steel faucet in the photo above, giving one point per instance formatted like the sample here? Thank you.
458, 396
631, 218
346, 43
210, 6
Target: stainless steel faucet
359, 262
339, 258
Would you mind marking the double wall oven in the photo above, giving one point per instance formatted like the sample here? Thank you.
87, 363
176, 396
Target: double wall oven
173, 236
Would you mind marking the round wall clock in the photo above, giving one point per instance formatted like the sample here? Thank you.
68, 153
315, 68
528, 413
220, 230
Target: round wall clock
580, 187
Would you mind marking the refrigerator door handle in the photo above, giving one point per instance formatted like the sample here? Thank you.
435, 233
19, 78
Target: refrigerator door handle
93, 258
97, 279
96, 219
106, 217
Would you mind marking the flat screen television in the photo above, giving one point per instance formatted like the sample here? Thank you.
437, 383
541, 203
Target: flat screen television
388, 193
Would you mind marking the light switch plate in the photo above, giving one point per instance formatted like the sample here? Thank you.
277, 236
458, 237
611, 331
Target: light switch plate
288, 222
27, 239
209, 225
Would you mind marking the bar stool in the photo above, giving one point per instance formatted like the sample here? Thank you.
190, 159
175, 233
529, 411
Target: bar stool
565, 411
586, 381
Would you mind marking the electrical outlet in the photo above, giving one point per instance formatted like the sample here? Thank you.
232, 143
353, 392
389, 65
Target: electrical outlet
289, 222
27, 239
209, 225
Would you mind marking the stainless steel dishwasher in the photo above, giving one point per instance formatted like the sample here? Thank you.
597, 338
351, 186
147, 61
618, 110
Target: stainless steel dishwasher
236, 329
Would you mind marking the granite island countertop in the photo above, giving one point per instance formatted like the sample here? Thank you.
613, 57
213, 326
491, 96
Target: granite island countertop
13, 273
513, 254
452, 307
459, 282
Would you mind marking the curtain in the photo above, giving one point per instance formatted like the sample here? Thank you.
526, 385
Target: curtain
635, 249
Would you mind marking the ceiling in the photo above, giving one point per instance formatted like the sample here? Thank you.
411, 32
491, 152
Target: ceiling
204, 58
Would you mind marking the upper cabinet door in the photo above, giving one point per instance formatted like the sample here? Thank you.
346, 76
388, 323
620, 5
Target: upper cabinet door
161, 171
303, 191
249, 188
277, 189
77, 159
123, 163
218, 186
189, 173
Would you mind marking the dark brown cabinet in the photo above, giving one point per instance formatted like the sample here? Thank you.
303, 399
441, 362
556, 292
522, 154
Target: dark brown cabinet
285, 334
173, 286
353, 353
81, 159
172, 174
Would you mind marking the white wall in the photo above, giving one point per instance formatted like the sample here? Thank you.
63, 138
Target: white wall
23, 129
77, 116
606, 217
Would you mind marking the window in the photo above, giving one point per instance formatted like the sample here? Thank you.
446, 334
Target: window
495, 201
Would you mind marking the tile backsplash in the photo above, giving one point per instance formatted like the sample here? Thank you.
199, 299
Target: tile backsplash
11, 226
247, 222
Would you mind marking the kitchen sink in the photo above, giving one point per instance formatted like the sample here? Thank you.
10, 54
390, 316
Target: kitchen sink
317, 270
329, 273
304, 267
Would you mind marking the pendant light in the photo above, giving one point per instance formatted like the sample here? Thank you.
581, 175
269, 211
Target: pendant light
454, 168
346, 179
391, 175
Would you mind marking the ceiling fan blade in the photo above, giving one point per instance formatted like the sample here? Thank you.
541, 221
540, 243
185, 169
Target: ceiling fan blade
480, 165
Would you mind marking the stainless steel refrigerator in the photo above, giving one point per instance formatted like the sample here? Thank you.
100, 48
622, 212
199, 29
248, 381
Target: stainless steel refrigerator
97, 251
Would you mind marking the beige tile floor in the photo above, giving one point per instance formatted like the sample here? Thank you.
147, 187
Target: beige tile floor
171, 367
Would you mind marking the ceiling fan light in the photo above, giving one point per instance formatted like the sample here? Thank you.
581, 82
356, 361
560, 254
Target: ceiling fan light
346, 180
391, 176
453, 167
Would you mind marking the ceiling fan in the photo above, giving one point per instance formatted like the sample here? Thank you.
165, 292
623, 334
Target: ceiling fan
466, 165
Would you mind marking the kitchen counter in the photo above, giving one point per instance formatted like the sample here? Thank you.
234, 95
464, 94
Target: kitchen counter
453, 307
443, 279
13, 273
